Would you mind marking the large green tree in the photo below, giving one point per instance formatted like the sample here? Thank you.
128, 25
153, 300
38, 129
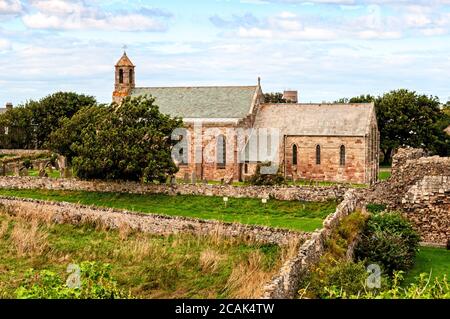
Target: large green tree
276, 97
406, 118
30, 124
131, 141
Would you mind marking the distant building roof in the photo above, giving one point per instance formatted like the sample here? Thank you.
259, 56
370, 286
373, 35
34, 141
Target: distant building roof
316, 119
3, 110
217, 102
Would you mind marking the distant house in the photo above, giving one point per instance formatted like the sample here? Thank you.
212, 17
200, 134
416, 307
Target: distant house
6, 108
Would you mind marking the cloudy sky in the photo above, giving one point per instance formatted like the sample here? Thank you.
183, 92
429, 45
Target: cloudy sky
326, 49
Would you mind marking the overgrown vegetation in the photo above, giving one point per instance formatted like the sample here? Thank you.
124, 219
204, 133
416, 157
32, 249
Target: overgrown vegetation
261, 178
295, 215
390, 241
123, 263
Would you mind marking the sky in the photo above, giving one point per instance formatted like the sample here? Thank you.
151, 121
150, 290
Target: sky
325, 49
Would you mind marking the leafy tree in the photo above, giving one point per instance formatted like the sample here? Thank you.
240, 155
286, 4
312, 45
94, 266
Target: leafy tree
275, 98
406, 118
130, 141
30, 124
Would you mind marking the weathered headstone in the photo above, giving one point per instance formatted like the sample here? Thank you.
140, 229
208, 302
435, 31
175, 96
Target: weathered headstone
16, 169
194, 178
67, 172
173, 180
43, 173
186, 178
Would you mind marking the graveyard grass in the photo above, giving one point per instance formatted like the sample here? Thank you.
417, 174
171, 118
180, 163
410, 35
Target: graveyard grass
293, 215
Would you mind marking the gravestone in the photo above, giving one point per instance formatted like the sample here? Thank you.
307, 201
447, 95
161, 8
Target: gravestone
16, 169
43, 173
173, 181
194, 178
186, 178
67, 172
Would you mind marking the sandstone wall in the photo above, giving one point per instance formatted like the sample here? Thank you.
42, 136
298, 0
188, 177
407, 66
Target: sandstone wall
329, 169
149, 223
305, 193
286, 283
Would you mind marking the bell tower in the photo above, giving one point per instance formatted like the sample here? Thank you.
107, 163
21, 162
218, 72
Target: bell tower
124, 78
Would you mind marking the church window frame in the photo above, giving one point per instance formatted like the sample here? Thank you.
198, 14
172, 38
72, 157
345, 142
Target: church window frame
318, 154
221, 151
342, 154
294, 155
120, 76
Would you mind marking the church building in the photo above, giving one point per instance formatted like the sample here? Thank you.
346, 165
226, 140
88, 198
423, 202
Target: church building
229, 130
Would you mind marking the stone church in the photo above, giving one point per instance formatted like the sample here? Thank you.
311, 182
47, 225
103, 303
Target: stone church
229, 130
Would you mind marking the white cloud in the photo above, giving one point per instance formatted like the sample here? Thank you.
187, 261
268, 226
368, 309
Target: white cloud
4, 44
76, 15
10, 7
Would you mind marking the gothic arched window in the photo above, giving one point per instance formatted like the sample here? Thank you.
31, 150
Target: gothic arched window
294, 155
342, 155
318, 154
131, 76
120, 76
221, 151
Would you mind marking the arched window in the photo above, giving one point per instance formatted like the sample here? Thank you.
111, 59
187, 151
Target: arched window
318, 154
342, 155
221, 151
294, 155
131, 76
120, 76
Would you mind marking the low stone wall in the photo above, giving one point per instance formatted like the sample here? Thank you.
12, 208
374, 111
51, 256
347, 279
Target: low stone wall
286, 283
23, 153
60, 213
305, 193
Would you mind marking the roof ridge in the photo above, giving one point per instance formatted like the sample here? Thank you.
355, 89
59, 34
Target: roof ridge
196, 87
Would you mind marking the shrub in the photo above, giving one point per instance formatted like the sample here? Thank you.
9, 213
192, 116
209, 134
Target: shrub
375, 208
27, 163
266, 179
95, 283
390, 241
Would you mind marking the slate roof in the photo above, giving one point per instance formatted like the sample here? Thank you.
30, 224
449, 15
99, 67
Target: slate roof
217, 102
316, 119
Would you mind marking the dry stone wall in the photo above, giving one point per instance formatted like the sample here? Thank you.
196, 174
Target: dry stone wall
63, 213
305, 193
286, 283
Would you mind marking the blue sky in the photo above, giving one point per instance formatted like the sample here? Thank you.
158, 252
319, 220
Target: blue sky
326, 49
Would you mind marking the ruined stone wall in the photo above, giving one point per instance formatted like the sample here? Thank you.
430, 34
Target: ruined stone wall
419, 187
329, 169
286, 283
24, 153
65, 213
305, 193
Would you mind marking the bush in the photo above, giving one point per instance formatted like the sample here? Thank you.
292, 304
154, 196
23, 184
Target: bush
266, 179
95, 283
27, 164
390, 241
375, 208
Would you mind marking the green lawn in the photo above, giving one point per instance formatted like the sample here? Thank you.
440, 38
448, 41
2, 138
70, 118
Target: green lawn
294, 215
429, 259
384, 175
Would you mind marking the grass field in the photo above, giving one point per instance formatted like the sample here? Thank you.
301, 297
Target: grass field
429, 259
384, 175
179, 266
294, 215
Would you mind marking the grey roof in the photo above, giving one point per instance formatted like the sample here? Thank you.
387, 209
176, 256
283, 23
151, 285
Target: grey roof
202, 102
316, 119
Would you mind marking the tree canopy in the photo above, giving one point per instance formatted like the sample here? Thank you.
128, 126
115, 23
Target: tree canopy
406, 118
276, 97
130, 141
31, 123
